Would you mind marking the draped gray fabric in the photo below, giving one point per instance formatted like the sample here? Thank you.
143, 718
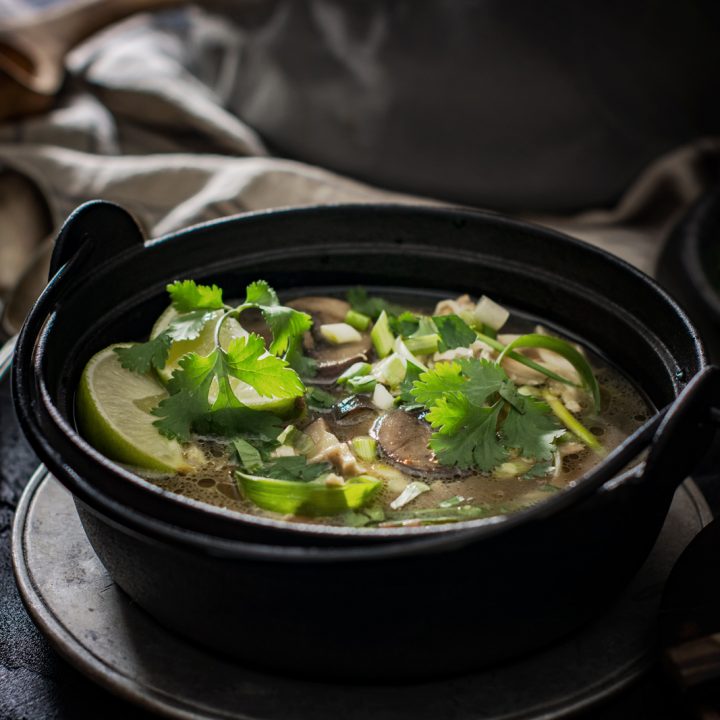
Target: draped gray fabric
146, 120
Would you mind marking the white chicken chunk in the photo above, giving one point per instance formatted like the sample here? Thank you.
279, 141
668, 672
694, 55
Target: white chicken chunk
329, 449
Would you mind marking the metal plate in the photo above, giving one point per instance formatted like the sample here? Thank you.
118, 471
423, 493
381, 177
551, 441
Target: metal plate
99, 630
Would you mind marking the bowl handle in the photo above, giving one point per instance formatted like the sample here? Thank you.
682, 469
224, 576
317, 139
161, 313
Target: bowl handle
110, 229
683, 435
94, 234
677, 436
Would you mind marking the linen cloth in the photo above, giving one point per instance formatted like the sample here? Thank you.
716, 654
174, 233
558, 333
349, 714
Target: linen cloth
142, 122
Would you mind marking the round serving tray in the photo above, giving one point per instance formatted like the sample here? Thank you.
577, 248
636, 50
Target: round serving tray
96, 627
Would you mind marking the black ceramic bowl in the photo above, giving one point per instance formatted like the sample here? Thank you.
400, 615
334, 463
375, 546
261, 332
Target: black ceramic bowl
351, 602
690, 267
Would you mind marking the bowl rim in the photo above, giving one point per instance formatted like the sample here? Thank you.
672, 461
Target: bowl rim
589, 483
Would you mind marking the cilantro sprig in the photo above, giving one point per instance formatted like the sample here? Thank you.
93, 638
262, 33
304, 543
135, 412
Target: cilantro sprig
142, 357
189, 406
201, 396
479, 418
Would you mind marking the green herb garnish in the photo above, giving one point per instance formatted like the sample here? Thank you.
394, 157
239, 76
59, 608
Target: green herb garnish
319, 399
454, 332
372, 306
479, 417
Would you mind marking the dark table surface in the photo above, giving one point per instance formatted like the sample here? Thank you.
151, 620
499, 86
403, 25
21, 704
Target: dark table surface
35, 683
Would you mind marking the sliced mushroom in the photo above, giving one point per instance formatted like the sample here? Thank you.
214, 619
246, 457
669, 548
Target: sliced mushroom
331, 359
403, 439
352, 416
353, 409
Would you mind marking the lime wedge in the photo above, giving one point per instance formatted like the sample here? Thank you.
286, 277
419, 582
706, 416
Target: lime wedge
113, 413
203, 345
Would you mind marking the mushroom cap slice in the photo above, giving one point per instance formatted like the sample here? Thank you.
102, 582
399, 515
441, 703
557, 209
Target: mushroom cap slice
403, 439
331, 359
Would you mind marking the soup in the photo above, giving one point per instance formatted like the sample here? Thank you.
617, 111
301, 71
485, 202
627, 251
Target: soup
354, 411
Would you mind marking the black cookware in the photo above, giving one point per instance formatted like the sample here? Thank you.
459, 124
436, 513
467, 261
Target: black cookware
348, 602
690, 267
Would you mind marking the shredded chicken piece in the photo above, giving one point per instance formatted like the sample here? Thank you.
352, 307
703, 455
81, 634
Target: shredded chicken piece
454, 307
283, 451
329, 449
454, 354
570, 448
571, 397
482, 351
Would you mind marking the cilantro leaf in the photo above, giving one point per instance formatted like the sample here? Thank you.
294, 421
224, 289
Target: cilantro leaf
189, 388
454, 332
188, 325
193, 372
362, 303
141, 357
260, 293
187, 295
445, 377
248, 455
405, 324
304, 366
247, 360
320, 399
295, 468
538, 470
285, 324
188, 407
484, 379
467, 435
251, 424
533, 430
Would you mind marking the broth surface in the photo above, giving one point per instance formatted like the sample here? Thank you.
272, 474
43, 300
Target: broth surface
624, 409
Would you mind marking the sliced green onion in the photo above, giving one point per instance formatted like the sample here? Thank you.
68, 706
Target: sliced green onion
489, 313
497, 345
423, 344
413, 490
382, 399
564, 349
390, 371
572, 423
296, 439
362, 383
355, 370
434, 516
364, 447
357, 320
402, 350
308, 498
340, 333
382, 336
